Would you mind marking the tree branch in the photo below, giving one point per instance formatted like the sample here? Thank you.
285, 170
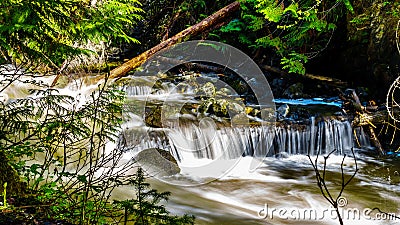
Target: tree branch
209, 22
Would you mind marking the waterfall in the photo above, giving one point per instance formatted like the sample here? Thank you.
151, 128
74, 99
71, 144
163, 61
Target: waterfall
149, 89
205, 141
137, 90
362, 139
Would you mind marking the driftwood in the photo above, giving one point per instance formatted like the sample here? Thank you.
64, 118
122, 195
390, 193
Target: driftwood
331, 81
363, 116
210, 22
374, 139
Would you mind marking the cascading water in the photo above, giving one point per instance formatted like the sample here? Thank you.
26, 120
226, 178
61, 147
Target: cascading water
239, 196
204, 140
321, 138
361, 138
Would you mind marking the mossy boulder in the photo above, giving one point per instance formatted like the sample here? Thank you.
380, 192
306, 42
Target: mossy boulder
153, 116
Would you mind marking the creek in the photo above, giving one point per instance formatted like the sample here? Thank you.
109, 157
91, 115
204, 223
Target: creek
248, 173
230, 174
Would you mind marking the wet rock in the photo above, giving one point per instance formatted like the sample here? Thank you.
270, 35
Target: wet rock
240, 86
278, 85
252, 111
206, 106
300, 114
153, 116
224, 91
282, 111
268, 114
235, 107
294, 91
222, 107
206, 91
157, 162
240, 119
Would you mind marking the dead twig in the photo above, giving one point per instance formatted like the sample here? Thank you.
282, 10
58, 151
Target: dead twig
321, 180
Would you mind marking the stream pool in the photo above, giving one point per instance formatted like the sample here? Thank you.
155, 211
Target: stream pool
288, 185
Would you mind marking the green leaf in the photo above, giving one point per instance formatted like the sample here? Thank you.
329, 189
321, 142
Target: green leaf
268, 42
292, 8
348, 5
82, 178
272, 14
234, 25
331, 26
294, 63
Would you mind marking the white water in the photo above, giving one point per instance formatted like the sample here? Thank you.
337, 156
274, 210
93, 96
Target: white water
207, 153
206, 141
287, 183
226, 179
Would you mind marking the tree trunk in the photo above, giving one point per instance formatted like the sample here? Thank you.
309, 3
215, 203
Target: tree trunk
209, 22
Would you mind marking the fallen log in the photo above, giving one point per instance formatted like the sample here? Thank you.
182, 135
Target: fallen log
331, 81
206, 24
371, 118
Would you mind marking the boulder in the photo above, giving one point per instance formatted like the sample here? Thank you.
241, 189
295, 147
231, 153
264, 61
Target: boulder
282, 111
240, 119
157, 162
153, 116
294, 91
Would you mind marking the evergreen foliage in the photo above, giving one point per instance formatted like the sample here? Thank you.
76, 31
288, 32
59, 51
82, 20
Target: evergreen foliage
60, 144
146, 208
50, 32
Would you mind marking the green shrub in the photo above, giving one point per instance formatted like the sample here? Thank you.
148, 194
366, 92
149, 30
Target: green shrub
292, 31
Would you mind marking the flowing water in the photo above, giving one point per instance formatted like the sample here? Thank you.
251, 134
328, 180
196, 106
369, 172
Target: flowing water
257, 174
225, 178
